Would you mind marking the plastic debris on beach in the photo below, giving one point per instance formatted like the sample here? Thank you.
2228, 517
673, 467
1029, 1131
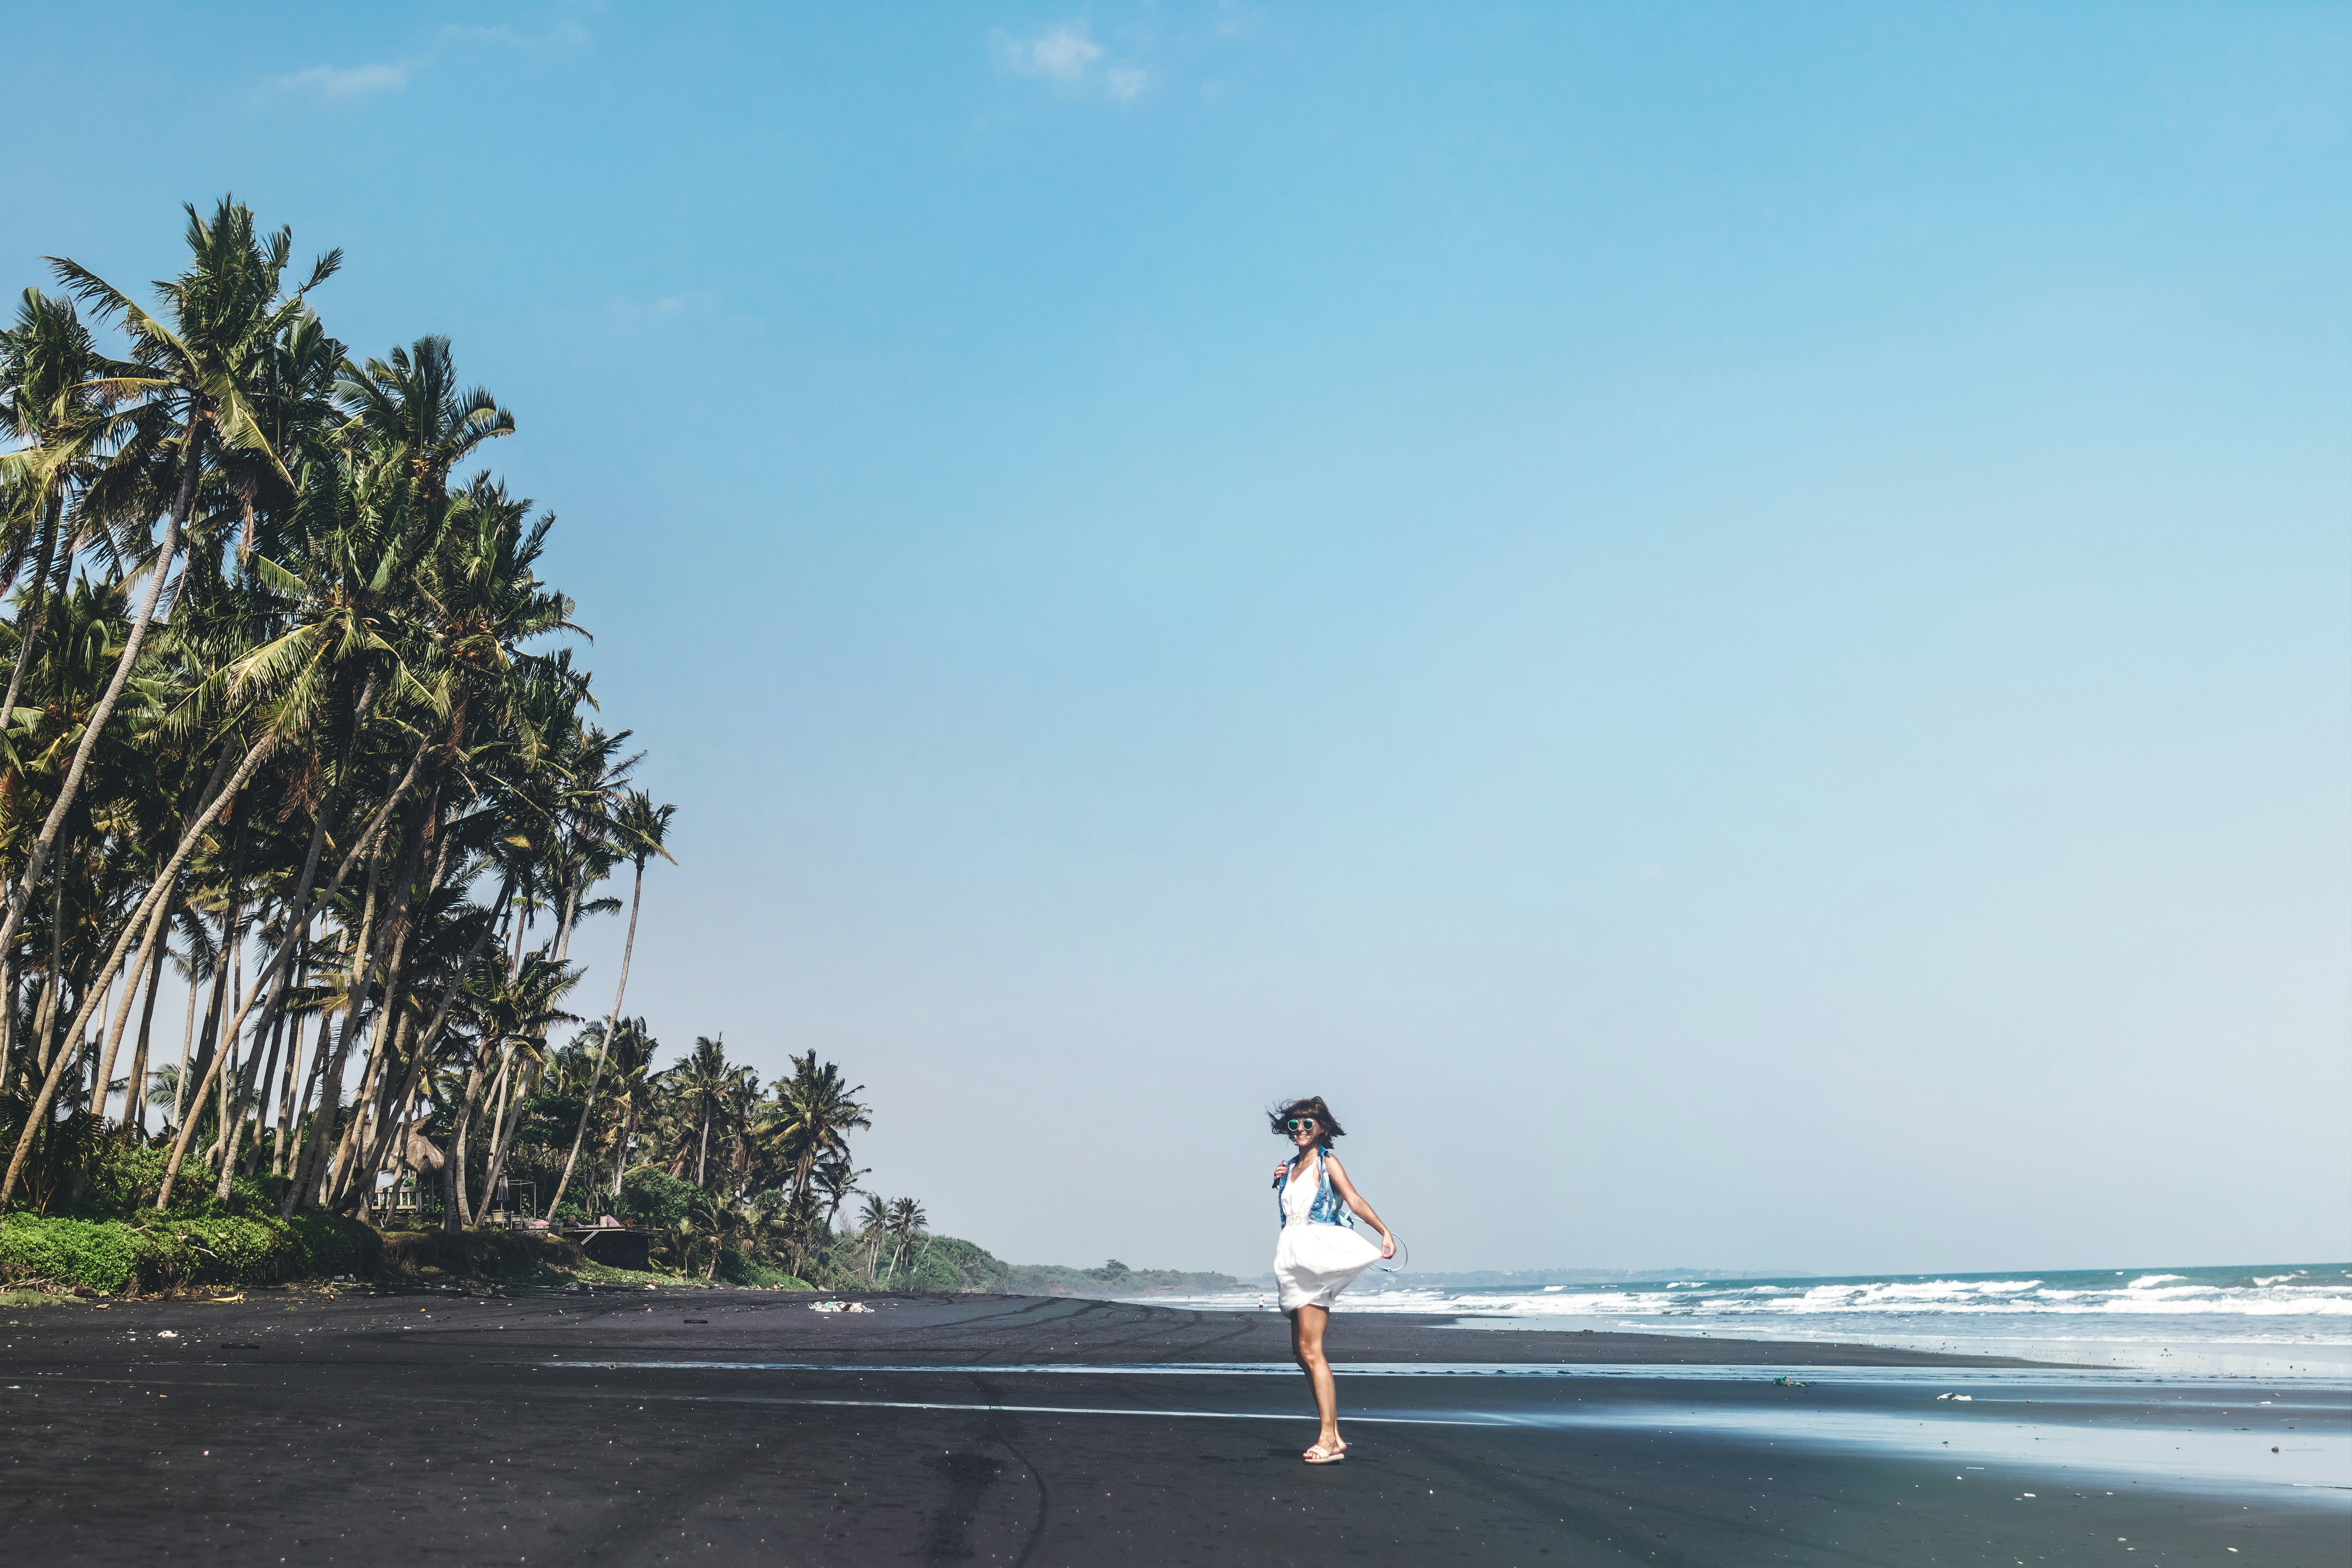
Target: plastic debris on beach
166, 1334
839, 1307
1789, 1383
1962, 1398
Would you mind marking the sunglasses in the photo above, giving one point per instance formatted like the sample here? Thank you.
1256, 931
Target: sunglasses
1299, 1124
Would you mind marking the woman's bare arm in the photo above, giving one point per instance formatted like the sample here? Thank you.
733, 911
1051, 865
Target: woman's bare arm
1355, 1201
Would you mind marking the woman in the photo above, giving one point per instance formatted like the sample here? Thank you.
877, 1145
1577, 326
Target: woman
1318, 1255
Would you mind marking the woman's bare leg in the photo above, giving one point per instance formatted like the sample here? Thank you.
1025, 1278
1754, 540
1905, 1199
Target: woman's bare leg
1307, 1326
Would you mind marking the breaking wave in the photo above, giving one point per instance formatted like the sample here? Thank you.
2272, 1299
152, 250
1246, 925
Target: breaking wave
2297, 1294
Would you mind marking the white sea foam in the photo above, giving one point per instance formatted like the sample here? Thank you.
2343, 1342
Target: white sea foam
2149, 1318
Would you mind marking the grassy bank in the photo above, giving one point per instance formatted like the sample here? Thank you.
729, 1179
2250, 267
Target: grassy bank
111, 1241
170, 1252
163, 1254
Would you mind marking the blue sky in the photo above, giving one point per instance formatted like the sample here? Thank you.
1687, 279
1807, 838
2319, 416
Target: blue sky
1731, 625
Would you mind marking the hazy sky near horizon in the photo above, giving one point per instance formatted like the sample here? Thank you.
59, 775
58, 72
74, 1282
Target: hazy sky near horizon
1731, 624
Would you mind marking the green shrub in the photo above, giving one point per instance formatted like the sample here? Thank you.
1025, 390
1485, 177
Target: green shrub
655, 1200
164, 1252
737, 1270
35, 1249
971, 1266
123, 1182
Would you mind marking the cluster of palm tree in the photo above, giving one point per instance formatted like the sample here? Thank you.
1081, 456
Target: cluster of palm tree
701, 1149
897, 1223
283, 725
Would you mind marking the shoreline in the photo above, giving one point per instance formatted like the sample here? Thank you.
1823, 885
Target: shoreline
626, 1425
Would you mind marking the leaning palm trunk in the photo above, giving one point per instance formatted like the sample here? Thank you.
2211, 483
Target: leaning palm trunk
456, 1205
502, 1132
372, 1076
344, 1187
135, 1099
218, 796
501, 1087
27, 635
192, 445
390, 1037
431, 1034
37, 610
280, 1154
250, 1087
273, 975
258, 1088
605, 1045
355, 989
187, 1039
152, 971
157, 900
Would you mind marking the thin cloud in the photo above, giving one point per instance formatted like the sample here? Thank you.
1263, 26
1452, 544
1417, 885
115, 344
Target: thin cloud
353, 82
699, 311
564, 35
1063, 52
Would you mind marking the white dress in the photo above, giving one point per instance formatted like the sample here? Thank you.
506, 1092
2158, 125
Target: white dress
1313, 1263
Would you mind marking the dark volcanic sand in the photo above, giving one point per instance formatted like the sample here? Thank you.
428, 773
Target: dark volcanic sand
433, 1428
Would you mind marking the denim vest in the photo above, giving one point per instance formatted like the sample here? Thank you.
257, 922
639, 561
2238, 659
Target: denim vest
1328, 1207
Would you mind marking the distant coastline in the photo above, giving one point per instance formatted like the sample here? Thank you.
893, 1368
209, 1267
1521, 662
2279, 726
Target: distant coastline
1060, 1279
1112, 1277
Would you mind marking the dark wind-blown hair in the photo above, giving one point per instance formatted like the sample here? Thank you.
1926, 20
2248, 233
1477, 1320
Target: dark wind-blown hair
1326, 1126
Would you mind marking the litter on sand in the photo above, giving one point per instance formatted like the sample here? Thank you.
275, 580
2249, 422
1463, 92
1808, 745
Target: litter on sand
1962, 1398
839, 1307
1789, 1383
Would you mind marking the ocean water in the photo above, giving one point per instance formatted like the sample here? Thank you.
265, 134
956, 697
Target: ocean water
2292, 1320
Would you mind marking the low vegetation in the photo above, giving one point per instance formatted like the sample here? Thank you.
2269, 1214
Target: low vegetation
1113, 1278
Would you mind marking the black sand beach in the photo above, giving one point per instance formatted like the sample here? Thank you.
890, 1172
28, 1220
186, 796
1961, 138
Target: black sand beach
444, 1427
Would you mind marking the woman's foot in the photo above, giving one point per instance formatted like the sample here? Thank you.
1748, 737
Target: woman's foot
1319, 1455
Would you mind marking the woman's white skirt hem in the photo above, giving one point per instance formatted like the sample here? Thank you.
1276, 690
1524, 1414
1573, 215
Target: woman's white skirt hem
1313, 1263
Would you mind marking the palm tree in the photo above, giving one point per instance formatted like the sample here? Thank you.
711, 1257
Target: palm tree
508, 1011
740, 1106
906, 1223
812, 1117
413, 403
640, 827
345, 665
702, 1083
203, 376
873, 1229
56, 398
632, 1087
792, 1226
200, 368
837, 1180
707, 1214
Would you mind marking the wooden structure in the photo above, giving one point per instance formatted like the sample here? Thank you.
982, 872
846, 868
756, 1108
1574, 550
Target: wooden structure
613, 1246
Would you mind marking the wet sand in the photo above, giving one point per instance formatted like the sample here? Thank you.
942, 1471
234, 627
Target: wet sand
528, 1429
